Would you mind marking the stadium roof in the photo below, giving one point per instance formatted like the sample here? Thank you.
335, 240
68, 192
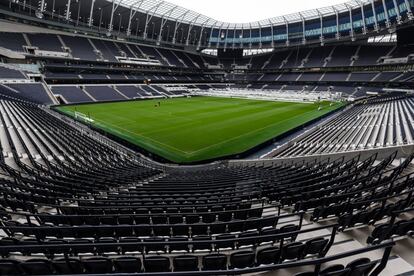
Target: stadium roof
168, 10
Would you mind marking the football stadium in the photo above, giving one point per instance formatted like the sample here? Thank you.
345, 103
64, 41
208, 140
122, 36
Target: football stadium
151, 137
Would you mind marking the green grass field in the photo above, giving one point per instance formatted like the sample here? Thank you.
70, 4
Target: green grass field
185, 130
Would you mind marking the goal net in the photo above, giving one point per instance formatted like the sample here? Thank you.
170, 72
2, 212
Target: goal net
83, 117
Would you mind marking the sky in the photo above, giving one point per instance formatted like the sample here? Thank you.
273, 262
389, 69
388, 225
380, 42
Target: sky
245, 11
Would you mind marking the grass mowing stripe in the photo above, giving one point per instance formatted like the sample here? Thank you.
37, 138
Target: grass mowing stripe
253, 131
189, 130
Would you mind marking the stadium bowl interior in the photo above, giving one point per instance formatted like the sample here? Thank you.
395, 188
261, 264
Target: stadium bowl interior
140, 137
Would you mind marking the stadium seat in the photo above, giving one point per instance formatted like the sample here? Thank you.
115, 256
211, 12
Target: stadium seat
67, 266
185, 263
157, 264
127, 264
269, 255
242, 259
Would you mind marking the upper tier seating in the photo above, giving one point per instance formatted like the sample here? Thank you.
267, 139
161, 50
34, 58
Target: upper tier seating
296, 58
107, 49
80, 47
12, 41
318, 56
46, 42
369, 55
362, 76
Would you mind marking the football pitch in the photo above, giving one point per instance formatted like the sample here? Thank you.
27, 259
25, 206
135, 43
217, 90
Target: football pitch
185, 130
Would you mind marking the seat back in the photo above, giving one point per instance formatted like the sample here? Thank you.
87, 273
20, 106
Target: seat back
315, 246
36, 267
97, 265
269, 255
127, 265
185, 263
215, 262
242, 259
67, 266
292, 251
9, 267
362, 269
157, 264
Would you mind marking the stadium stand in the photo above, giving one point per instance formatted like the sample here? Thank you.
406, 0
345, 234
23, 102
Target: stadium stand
36, 92
71, 94
45, 42
201, 221
333, 196
6, 73
376, 123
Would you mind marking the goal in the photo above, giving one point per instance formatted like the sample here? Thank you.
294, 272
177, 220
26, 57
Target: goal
81, 116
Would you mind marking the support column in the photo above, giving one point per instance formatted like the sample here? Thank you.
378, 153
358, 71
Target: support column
321, 38
211, 34
201, 36
409, 12
250, 41
190, 28
163, 23
273, 33
227, 36
67, 15
147, 19
90, 21
374, 12
364, 24
303, 29
240, 38
41, 9
287, 31
78, 15
260, 36
351, 20
338, 34
387, 17
178, 24
111, 22
53, 8
397, 11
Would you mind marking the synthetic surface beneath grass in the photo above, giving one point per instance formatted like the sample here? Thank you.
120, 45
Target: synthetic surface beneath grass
185, 130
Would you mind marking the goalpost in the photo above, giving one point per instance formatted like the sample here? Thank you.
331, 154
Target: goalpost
83, 117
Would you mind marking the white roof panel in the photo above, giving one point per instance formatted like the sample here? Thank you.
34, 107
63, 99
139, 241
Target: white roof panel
167, 10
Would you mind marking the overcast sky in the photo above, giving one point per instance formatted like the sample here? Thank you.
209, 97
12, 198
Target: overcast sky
244, 11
